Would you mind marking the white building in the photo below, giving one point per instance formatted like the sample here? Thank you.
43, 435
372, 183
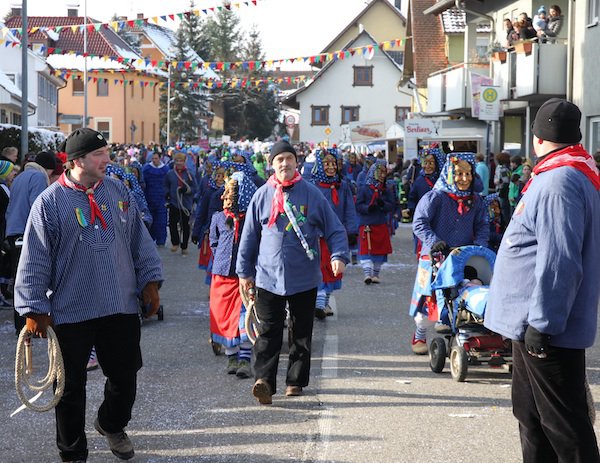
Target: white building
42, 87
355, 99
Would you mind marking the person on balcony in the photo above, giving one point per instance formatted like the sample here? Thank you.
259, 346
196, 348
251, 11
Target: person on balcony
524, 27
540, 21
555, 21
512, 35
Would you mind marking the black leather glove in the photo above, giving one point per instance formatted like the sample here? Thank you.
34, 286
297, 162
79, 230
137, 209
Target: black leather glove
380, 202
352, 239
439, 246
194, 239
536, 343
372, 208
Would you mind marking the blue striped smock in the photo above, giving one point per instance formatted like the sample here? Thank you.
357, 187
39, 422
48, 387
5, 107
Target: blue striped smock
78, 272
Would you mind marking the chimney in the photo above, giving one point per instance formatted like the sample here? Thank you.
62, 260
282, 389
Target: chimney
72, 10
15, 9
140, 16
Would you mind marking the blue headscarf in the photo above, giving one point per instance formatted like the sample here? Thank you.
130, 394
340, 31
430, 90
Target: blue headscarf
318, 170
488, 200
247, 166
371, 180
446, 181
438, 155
246, 189
211, 180
131, 182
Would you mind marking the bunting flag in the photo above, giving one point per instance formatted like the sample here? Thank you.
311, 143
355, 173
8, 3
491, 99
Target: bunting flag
365, 51
198, 83
120, 24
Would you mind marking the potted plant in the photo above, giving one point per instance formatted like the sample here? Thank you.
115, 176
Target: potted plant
524, 46
497, 52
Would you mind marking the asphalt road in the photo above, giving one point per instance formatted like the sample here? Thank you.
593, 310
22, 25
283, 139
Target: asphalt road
370, 399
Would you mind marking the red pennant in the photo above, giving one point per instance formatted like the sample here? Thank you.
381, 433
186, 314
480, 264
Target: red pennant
172, 16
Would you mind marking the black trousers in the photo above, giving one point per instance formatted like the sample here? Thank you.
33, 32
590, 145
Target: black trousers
177, 216
549, 401
117, 341
270, 309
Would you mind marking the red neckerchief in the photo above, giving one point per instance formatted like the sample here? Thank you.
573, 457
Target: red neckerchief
376, 193
237, 218
94, 209
334, 191
573, 156
179, 172
277, 204
463, 206
497, 224
429, 182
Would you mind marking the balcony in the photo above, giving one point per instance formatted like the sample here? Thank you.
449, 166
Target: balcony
451, 89
539, 74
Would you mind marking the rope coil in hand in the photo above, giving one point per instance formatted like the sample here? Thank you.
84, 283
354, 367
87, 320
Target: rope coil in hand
251, 321
23, 371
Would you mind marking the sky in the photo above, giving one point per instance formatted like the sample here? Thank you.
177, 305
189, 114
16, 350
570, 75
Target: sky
289, 28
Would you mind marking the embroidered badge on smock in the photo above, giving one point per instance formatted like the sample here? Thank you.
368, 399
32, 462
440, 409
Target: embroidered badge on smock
123, 206
520, 207
80, 217
103, 207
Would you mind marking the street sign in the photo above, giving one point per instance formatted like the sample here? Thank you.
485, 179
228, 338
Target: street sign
489, 103
290, 120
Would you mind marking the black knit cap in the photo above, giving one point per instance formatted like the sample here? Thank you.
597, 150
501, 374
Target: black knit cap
279, 147
558, 121
46, 160
81, 142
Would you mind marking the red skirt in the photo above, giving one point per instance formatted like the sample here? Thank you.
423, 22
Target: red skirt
205, 253
327, 272
225, 307
378, 240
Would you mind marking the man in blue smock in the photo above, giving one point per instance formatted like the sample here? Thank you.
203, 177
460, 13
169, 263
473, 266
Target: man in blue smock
86, 257
279, 255
544, 294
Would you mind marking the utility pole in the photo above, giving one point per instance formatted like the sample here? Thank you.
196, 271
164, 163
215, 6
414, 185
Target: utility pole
24, 84
169, 105
85, 80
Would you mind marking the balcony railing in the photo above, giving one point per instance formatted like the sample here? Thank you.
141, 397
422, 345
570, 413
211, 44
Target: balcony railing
451, 89
537, 73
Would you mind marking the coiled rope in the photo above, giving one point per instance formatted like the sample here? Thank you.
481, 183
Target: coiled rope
251, 321
24, 370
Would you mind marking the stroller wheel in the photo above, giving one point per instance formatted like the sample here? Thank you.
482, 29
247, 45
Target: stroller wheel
458, 363
437, 355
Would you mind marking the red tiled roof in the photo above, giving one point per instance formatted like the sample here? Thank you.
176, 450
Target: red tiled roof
104, 42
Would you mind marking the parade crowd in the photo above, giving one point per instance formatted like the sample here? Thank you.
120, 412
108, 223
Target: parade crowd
275, 225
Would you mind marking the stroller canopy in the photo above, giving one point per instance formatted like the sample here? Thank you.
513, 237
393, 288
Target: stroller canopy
452, 271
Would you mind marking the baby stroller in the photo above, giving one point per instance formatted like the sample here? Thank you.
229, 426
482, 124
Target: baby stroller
465, 300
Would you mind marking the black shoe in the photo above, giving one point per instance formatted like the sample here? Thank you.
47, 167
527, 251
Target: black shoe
119, 443
320, 314
368, 281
